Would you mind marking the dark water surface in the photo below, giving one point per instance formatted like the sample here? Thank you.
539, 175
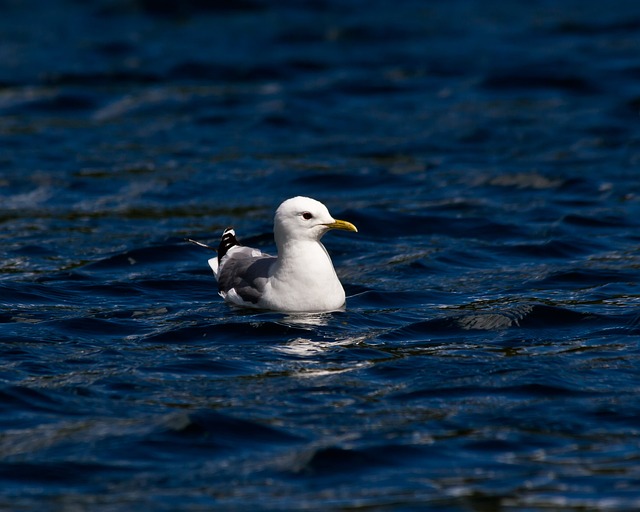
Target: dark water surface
488, 152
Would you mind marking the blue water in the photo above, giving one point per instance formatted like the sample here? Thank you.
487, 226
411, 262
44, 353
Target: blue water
488, 152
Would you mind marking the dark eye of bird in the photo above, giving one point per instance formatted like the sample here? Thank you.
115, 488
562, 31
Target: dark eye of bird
307, 216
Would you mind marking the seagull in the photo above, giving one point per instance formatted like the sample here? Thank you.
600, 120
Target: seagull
301, 279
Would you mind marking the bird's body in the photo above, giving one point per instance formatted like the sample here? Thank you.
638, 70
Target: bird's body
300, 279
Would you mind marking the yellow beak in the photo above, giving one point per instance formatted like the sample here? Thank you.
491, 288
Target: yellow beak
342, 224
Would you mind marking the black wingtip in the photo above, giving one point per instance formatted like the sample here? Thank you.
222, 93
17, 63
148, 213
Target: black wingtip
227, 241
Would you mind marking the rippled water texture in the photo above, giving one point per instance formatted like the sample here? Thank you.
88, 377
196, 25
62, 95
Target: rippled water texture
488, 153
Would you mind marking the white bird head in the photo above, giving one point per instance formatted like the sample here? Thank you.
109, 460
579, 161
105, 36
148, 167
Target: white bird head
304, 219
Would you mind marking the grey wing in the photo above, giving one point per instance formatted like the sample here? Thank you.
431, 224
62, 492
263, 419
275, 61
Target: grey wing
244, 272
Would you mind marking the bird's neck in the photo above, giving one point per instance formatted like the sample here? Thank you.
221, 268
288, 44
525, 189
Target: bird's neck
306, 257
